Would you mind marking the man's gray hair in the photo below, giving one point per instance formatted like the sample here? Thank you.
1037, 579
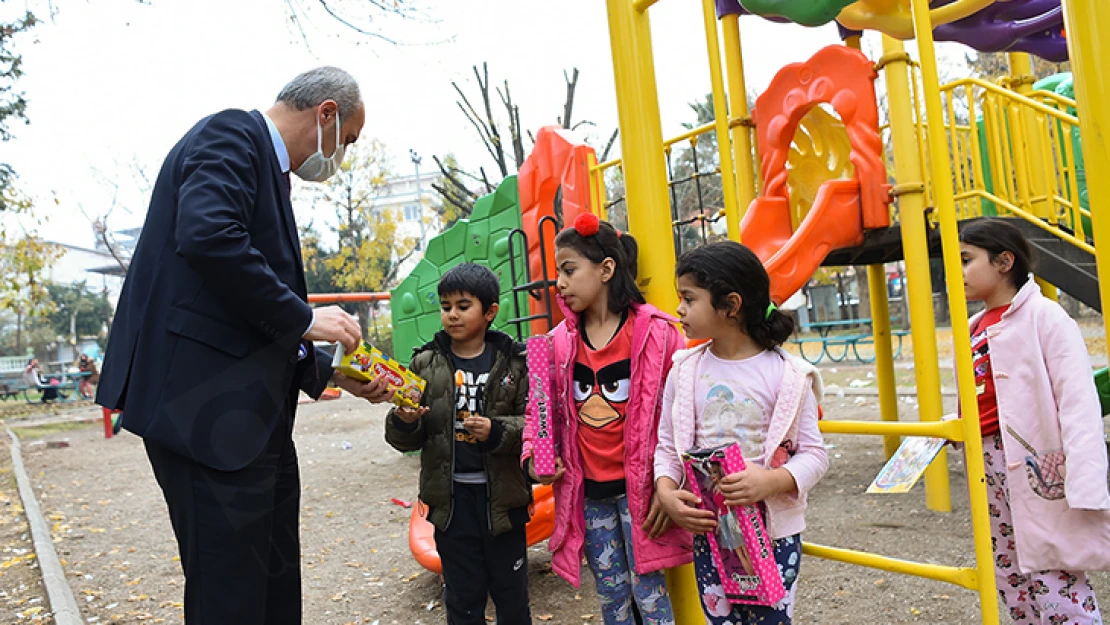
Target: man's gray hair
311, 88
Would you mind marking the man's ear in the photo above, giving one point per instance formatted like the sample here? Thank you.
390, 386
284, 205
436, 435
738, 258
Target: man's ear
326, 111
491, 314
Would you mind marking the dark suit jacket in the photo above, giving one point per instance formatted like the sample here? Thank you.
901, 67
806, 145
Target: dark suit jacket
203, 353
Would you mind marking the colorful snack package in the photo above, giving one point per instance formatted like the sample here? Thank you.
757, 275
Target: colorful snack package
742, 549
367, 361
542, 404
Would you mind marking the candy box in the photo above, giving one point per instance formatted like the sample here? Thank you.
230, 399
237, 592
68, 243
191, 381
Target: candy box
542, 404
742, 549
367, 361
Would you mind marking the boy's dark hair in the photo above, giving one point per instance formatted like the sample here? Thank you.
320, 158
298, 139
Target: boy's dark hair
475, 279
997, 236
609, 243
728, 267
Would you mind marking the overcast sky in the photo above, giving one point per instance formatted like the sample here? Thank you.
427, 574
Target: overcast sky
112, 83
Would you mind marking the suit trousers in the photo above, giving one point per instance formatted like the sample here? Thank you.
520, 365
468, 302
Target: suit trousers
237, 533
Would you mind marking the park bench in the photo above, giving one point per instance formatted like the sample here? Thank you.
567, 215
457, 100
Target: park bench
13, 386
841, 344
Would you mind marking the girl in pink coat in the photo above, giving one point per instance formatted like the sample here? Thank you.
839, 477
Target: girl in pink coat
1042, 434
612, 354
739, 388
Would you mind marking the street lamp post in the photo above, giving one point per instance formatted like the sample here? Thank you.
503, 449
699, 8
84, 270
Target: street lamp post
416, 160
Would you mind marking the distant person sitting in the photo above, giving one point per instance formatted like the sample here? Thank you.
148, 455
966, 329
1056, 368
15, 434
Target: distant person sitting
87, 365
32, 375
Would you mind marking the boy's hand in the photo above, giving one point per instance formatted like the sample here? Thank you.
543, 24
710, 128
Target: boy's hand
682, 507
410, 415
657, 520
547, 479
478, 426
754, 484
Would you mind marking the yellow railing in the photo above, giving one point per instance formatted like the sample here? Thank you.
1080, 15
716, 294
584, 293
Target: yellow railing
1013, 155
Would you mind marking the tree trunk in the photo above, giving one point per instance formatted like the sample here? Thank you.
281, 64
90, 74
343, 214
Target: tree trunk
73, 333
862, 284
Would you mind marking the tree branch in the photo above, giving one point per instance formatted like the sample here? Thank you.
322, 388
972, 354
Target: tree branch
609, 144
568, 105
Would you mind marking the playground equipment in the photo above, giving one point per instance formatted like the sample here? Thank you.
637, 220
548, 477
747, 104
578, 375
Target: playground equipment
960, 151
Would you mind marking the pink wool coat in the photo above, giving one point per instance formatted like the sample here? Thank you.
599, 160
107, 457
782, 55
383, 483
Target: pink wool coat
1046, 394
654, 339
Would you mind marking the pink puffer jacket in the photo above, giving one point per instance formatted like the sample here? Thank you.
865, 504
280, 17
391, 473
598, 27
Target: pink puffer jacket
655, 338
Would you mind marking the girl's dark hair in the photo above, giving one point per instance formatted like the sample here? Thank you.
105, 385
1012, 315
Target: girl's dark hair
728, 267
609, 243
997, 236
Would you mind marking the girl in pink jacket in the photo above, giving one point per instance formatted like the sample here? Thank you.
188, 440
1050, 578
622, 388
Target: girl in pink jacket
740, 388
1042, 434
612, 354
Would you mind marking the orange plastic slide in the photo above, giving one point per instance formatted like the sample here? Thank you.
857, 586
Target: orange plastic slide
559, 162
843, 209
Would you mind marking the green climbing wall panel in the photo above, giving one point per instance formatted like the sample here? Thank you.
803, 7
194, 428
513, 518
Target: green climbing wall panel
482, 239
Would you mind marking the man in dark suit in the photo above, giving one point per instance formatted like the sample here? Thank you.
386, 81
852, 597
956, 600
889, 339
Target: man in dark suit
213, 340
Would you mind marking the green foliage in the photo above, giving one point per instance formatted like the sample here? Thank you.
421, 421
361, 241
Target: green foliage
23, 266
89, 310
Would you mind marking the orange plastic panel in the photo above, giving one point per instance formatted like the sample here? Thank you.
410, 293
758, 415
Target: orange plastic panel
422, 542
558, 159
843, 209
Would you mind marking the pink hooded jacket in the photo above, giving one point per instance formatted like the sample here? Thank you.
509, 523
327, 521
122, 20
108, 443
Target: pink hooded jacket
654, 339
1046, 394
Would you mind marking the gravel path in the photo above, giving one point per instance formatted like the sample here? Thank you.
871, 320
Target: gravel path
113, 534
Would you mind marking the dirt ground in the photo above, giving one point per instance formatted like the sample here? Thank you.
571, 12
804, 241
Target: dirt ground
113, 534
22, 593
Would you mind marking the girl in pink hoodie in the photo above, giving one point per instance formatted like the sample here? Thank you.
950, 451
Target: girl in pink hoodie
1042, 434
612, 354
739, 388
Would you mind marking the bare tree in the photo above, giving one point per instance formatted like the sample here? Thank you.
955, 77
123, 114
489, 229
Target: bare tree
503, 136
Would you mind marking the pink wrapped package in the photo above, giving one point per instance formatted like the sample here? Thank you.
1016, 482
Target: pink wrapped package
542, 404
742, 550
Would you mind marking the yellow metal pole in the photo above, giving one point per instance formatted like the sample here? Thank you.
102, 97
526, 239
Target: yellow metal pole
741, 135
908, 171
645, 171
941, 172
1088, 26
884, 353
720, 113
1050, 291
1021, 76
649, 215
880, 328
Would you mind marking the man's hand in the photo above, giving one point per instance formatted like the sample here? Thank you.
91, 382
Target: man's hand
754, 484
478, 426
682, 507
546, 479
375, 391
334, 325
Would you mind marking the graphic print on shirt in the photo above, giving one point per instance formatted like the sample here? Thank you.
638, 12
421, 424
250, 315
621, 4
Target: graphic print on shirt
732, 415
601, 397
469, 400
981, 360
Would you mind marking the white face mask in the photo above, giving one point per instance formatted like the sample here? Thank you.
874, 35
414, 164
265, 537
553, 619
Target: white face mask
317, 167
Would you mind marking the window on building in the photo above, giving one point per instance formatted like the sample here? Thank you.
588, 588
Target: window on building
412, 212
